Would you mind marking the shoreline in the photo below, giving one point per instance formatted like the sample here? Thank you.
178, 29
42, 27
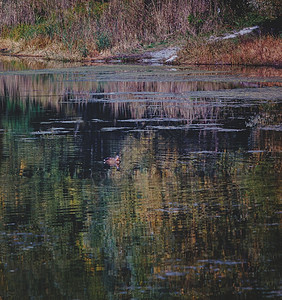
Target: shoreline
155, 54
129, 58
169, 55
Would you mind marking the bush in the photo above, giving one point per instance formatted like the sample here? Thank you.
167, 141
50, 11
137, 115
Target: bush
103, 41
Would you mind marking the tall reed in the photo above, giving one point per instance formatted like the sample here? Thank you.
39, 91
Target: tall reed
117, 23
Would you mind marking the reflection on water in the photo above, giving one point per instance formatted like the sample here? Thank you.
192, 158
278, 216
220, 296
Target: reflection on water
192, 211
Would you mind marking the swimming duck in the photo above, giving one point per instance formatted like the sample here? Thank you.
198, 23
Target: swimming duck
113, 161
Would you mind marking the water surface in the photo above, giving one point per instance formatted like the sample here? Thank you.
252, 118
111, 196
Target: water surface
193, 211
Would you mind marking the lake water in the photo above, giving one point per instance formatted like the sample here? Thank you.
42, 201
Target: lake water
193, 211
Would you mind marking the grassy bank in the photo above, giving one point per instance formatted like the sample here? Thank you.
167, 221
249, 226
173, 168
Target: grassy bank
85, 29
260, 50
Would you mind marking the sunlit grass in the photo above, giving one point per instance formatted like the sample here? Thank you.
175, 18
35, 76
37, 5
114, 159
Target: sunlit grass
265, 50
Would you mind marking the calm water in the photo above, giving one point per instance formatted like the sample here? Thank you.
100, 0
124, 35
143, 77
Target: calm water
194, 210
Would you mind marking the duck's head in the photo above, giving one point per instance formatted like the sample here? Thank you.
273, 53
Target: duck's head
113, 161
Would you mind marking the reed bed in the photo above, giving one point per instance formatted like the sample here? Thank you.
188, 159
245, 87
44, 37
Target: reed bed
88, 27
78, 29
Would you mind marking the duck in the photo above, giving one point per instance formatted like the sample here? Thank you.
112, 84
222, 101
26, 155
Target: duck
113, 161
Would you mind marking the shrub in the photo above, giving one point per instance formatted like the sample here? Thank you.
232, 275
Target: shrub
103, 41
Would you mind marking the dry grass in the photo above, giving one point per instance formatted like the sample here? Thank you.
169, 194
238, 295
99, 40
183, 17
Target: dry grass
141, 21
118, 24
79, 29
265, 50
261, 51
38, 47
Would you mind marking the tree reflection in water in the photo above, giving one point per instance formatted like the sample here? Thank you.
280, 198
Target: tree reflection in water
193, 211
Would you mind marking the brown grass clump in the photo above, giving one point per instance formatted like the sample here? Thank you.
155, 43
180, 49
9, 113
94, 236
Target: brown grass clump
264, 50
